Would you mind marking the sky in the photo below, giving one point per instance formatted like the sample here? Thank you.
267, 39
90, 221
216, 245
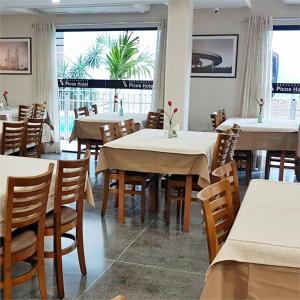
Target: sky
287, 44
77, 43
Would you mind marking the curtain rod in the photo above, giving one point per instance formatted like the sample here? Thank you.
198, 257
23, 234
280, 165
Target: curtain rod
287, 19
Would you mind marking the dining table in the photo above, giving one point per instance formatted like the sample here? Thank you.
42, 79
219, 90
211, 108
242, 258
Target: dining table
87, 127
261, 257
22, 167
150, 150
271, 134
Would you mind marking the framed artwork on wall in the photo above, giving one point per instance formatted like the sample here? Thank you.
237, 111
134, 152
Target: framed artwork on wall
215, 55
15, 56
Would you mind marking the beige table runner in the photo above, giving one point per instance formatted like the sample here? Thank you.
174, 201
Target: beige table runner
269, 135
88, 127
149, 150
266, 230
23, 166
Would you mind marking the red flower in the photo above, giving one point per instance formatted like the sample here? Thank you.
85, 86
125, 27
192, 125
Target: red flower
170, 102
5, 93
175, 110
260, 102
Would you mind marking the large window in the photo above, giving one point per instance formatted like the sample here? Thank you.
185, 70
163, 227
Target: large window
98, 67
286, 72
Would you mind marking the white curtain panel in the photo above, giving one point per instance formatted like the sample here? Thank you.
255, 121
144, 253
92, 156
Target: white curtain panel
45, 76
257, 80
160, 66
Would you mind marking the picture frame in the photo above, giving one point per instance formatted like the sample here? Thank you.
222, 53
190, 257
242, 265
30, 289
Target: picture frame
215, 56
15, 56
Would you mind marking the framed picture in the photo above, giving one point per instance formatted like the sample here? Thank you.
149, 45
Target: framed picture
15, 56
214, 55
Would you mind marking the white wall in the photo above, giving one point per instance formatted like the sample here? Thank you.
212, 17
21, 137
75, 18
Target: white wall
210, 94
20, 87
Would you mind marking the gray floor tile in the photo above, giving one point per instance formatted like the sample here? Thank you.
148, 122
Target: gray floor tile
140, 283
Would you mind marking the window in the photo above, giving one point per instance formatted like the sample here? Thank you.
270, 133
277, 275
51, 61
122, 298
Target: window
286, 72
97, 67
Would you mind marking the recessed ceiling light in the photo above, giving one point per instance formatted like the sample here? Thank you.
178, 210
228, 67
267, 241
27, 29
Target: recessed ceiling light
55, 1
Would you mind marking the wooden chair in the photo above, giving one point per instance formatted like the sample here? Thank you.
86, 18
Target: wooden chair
215, 120
160, 120
3, 118
282, 160
92, 145
81, 111
152, 120
39, 110
222, 115
13, 138
25, 205
25, 112
236, 134
33, 138
71, 178
111, 178
94, 109
218, 215
229, 171
177, 182
124, 128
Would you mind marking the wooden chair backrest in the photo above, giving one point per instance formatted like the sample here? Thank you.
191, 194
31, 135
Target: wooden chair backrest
70, 184
39, 110
221, 150
34, 131
215, 120
217, 209
152, 120
160, 120
235, 137
108, 133
3, 118
222, 115
81, 111
13, 137
25, 112
229, 171
94, 109
124, 128
26, 200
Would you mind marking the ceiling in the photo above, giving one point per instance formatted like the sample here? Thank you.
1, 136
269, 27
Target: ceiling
108, 6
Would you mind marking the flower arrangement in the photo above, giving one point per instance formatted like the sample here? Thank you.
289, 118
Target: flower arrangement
261, 103
170, 115
5, 94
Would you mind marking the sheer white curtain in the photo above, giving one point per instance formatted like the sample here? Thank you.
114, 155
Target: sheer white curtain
45, 76
160, 65
257, 81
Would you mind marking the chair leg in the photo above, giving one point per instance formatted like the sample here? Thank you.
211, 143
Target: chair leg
168, 203
154, 194
116, 200
281, 166
7, 283
41, 271
105, 192
143, 202
78, 148
58, 266
248, 168
297, 169
267, 167
80, 249
179, 202
96, 151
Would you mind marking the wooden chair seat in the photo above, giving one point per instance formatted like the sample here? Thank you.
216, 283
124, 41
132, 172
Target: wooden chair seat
21, 242
68, 215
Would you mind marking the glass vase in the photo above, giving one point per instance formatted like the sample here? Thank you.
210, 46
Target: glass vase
259, 118
171, 131
121, 112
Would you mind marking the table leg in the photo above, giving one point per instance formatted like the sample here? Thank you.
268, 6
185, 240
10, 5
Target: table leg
187, 202
121, 193
281, 166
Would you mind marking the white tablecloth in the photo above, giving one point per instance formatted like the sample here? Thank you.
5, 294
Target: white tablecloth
268, 125
266, 230
187, 142
23, 166
11, 114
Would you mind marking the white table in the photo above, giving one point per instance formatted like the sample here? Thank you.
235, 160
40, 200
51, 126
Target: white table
150, 150
264, 236
11, 114
87, 127
23, 166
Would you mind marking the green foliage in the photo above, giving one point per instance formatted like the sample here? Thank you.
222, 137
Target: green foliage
79, 69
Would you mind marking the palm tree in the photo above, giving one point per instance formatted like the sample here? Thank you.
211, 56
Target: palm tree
79, 70
121, 57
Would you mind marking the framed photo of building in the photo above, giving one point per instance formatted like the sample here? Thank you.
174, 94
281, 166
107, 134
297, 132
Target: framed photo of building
215, 55
15, 56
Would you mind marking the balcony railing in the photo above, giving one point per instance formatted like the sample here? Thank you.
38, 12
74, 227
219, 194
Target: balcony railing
134, 101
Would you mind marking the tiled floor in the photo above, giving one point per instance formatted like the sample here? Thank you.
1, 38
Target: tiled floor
140, 261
